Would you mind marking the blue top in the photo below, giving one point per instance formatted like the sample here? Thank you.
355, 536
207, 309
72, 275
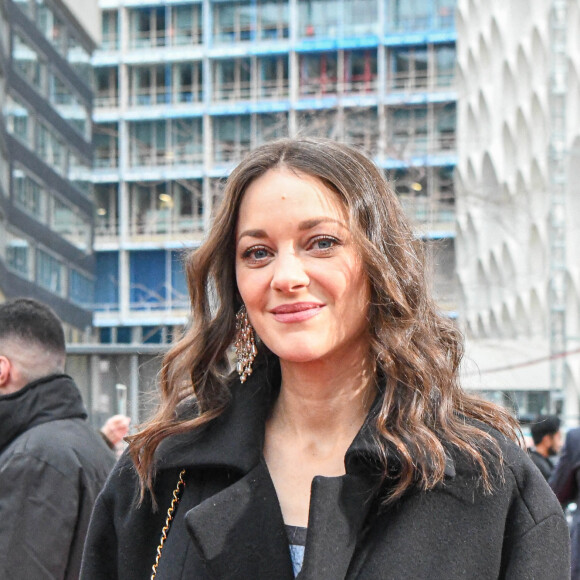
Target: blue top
297, 542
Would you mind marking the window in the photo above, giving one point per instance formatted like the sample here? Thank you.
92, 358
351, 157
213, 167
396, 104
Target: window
187, 197
445, 126
147, 27
444, 65
79, 174
271, 126
51, 26
148, 288
70, 225
110, 30
231, 137
409, 68
28, 64
151, 207
408, 131
360, 17
234, 21
147, 143
80, 60
29, 195
69, 106
362, 129
81, 289
360, 71
18, 255
318, 74
186, 141
187, 25
273, 19
150, 85
50, 272
19, 122
322, 123
273, 77
444, 187
421, 14
107, 214
106, 144
107, 87
318, 18
107, 275
50, 148
188, 82
232, 79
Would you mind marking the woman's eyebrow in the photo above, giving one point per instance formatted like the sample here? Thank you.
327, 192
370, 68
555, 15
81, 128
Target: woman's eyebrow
302, 226
253, 234
311, 223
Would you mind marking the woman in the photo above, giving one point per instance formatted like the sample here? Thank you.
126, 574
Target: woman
343, 446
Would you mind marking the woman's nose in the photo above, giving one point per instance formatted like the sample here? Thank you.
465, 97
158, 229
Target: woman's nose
289, 273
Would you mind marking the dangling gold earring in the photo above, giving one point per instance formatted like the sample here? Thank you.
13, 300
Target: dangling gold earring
245, 344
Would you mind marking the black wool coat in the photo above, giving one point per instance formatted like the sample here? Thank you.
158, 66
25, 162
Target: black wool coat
228, 524
52, 467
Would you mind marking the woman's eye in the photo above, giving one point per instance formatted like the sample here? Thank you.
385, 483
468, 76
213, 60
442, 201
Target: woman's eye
256, 254
325, 243
259, 254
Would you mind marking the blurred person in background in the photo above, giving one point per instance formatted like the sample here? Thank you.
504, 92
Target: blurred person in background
547, 439
52, 463
115, 429
565, 482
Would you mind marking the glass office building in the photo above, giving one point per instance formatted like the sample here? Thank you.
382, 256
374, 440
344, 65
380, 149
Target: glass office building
185, 89
46, 200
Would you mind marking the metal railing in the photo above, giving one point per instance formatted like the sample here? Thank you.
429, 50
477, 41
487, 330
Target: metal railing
421, 81
175, 155
320, 88
151, 223
106, 100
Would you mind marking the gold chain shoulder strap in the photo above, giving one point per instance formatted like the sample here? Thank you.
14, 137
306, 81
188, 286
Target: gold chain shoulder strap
170, 513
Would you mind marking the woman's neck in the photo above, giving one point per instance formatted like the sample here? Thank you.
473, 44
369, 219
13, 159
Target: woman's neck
323, 401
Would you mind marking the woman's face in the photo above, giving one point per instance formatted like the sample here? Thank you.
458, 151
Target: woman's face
298, 270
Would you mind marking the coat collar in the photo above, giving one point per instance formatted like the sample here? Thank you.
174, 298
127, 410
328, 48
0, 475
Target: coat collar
47, 399
235, 439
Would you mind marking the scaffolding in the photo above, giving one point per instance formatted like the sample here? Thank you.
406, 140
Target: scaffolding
183, 91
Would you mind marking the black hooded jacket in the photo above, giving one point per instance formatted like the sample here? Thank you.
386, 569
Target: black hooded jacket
52, 466
228, 524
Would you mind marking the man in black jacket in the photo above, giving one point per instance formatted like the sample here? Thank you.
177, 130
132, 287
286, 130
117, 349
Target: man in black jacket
52, 464
547, 443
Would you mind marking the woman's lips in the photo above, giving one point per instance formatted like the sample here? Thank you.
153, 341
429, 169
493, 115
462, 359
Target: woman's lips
296, 312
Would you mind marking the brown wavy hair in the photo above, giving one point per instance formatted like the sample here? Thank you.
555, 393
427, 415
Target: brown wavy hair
424, 411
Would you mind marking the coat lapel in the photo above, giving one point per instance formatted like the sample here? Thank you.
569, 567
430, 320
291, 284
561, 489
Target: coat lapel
338, 510
239, 532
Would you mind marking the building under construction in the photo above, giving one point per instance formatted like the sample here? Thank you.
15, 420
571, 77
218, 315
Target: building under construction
185, 89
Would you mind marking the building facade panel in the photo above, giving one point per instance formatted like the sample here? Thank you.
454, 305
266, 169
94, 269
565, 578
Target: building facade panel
46, 208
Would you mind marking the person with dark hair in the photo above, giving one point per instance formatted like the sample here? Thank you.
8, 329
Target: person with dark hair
565, 481
341, 445
547, 443
52, 464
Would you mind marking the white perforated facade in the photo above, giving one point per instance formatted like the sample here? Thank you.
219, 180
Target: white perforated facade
503, 189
